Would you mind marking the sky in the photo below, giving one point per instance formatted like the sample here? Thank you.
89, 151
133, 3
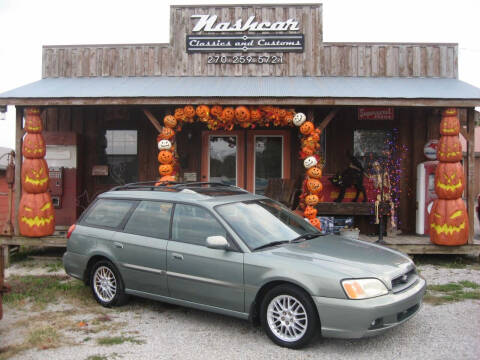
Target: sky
26, 25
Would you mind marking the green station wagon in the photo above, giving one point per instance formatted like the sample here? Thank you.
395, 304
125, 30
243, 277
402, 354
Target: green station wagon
220, 248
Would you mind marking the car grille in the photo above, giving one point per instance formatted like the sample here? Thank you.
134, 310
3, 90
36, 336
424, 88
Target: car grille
404, 281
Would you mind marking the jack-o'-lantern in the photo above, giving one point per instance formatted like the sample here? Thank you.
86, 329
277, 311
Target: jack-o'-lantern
203, 111
179, 115
307, 127
170, 121
165, 169
311, 199
282, 113
449, 180
165, 179
255, 114
189, 112
299, 119
33, 121
315, 222
449, 149
228, 114
314, 186
310, 212
33, 146
288, 118
450, 125
310, 162
164, 145
307, 151
314, 172
35, 175
242, 114
449, 222
166, 134
216, 111
165, 157
36, 215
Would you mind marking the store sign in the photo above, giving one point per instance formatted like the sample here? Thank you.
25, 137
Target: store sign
208, 23
375, 113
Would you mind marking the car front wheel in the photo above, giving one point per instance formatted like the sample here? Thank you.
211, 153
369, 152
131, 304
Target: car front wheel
107, 285
289, 316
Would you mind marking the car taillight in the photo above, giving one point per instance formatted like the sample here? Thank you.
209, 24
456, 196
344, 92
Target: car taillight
70, 230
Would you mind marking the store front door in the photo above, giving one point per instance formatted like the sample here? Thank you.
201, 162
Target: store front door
245, 158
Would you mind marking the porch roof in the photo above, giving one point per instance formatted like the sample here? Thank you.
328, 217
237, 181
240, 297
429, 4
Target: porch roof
276, 90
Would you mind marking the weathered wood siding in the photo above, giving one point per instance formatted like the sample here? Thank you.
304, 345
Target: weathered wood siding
318, 58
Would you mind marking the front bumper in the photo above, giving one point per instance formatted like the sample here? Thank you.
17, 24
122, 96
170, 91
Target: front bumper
344, 318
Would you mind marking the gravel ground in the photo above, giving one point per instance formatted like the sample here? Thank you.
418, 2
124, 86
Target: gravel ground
449, 331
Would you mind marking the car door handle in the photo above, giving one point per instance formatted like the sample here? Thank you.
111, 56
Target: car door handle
118, 245
177, 256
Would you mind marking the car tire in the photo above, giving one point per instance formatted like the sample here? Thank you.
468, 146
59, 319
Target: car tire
107, 284
288, 316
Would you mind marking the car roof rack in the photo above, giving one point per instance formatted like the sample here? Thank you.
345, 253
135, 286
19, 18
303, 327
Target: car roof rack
172, 185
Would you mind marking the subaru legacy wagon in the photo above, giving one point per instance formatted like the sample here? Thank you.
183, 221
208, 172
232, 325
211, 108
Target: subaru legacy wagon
222, 249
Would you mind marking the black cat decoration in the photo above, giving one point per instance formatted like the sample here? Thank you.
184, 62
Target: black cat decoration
351, 176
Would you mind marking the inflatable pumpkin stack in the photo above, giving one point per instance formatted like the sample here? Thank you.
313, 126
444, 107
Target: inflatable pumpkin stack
448, 217
312, 185
166, 155
36, 215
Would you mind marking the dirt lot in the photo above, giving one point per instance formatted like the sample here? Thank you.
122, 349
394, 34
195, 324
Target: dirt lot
50, 316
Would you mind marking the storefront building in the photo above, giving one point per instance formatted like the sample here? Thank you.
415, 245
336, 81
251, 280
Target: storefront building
103, 107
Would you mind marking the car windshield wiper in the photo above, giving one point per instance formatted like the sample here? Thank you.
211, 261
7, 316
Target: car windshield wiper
273, 243
306, 236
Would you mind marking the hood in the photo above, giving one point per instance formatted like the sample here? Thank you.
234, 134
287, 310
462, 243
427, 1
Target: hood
352, 258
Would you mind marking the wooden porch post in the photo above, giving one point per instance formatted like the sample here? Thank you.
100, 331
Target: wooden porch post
471, 171
18, 163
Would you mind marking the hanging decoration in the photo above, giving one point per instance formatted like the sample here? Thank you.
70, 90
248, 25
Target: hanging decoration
448, 217
36, 216
226, 118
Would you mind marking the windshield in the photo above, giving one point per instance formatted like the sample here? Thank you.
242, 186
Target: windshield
260, 222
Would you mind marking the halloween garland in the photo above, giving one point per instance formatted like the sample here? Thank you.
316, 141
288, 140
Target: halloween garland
448, 217
226, 118
36, 216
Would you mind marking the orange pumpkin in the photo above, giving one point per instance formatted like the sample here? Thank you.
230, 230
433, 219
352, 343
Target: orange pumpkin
165, 157
216, 111
170, 121
449, 180
316, 222
242, 114
179, 115
255, 114
311, 199
307, 151
448, 222
33, 121
310, 212
315, 172
307, 127
449, 149
450, 125
36, 216
166, 134
165, 169
203, 111
189, 111
314, 185
33, 146
228, 114
35, 175
165, 179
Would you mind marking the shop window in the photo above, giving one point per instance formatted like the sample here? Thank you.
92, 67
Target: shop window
372, 145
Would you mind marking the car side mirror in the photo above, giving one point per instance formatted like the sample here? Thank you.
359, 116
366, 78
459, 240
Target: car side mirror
217, 242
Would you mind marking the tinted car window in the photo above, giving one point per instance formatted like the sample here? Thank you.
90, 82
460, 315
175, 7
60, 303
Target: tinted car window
193, 224
150, 218
108, 213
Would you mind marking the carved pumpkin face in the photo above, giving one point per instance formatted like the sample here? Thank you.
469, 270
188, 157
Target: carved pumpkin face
314, 172
449, 222
449, 149
165, 169
311, 199
33, 146
449, 180
299, 119
316, 222
33, 122
255, 114
189, 111
165, 179
170, 121
310, 162
242, 114
450, 125
165, 157
35, 175
203, 111
164, 145
314, 186
307, 151
216, 111
36, 215
228, 114
282, 113
179, 115
288, 118
307, 127
310, 212
166, 133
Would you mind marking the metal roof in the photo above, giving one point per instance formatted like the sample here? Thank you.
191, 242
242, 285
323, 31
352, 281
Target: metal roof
246, 87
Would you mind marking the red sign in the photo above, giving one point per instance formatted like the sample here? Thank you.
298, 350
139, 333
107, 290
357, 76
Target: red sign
375, 113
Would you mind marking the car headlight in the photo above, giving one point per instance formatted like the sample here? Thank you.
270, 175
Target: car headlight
364, 288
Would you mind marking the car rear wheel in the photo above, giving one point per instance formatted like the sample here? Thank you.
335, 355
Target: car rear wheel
289, 316
107, 285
